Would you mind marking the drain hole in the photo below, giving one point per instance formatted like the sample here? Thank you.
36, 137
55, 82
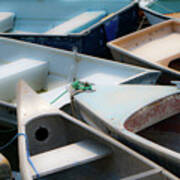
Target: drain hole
41, 134
175, 64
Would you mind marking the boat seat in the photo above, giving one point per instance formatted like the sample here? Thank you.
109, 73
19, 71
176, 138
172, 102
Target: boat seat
78, 23
6, 21
32, 71
68, 156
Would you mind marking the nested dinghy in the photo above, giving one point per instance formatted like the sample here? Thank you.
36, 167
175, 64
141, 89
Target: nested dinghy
160, 10
50, 71
5, 168
126, 111
155, 47
61, 147
68, 24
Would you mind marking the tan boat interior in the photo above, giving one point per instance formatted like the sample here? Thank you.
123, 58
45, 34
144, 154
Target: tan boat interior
158, 44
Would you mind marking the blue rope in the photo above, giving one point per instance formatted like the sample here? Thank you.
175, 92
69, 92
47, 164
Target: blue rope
27, 149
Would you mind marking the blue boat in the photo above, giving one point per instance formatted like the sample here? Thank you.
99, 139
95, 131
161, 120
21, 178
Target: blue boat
84, 25
160, 10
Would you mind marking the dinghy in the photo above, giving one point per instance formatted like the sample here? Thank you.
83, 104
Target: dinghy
5, 169
155, 47
157, 11
61, 147
86, 25
126, 110
51, 71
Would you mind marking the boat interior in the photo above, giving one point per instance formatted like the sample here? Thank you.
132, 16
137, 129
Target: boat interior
94, 158
167, 7
50, 71
165, 133
155, 103
158, 44
53, 137
55, 17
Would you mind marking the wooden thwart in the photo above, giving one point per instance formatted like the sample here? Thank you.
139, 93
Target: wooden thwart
69, 156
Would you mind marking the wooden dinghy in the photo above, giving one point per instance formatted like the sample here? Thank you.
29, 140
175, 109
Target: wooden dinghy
157, 11
5, 169
125, 111
51, 71
61, 147
86, 25
154, 47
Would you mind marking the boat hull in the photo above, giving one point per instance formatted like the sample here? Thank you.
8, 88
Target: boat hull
93, 41
64, 66
161, 155
116, 114
142, 49
105, 159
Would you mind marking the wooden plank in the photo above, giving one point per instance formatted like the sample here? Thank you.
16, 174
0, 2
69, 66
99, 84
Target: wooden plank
69, 156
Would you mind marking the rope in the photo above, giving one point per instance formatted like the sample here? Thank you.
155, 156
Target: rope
78, 86
84, 86
27, 150
58, 97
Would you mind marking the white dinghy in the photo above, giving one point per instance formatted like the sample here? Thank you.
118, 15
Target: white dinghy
125, 111
61, 147
50, 71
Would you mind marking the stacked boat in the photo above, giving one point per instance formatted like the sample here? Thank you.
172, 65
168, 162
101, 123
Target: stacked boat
61, 147
69, 24
71, 112
160, 10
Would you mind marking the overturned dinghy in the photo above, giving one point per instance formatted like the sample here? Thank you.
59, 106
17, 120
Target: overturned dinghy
5, 168
160, 10
61, 147
50, 71
123, 111
69, 24
154, 47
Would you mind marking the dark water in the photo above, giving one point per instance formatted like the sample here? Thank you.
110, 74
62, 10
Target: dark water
165, 133
10, 152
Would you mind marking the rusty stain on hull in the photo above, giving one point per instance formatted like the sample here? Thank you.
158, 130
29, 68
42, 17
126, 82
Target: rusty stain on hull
154, 112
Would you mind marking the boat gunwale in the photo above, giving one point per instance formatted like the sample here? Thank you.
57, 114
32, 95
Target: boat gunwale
80, 34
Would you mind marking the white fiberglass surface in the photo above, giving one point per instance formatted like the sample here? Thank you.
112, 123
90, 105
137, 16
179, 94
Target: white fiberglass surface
39, 16
99, 72
64, 66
